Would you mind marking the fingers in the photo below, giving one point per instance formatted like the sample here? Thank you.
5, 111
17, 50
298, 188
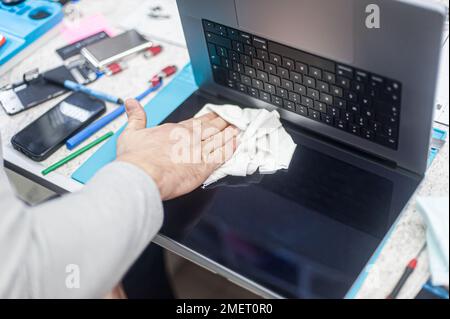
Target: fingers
213, 127
204, 118
137, 119
210, 124
218, 140
222, 154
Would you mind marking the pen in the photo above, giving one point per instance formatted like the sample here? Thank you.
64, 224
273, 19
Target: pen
412, 265
76, 154
76, 87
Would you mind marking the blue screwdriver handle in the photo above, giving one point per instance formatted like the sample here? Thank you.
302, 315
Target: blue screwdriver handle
100, 95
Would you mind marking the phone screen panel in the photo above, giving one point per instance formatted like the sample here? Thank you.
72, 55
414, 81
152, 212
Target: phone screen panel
45, 135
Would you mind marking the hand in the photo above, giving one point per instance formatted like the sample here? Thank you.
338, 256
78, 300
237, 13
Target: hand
178, 157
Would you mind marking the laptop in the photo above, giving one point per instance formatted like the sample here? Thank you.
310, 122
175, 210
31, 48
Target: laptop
354, 82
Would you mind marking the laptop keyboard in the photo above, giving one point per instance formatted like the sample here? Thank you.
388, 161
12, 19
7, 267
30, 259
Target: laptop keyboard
361, 103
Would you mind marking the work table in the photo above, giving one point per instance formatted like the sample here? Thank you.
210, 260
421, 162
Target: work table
407, 236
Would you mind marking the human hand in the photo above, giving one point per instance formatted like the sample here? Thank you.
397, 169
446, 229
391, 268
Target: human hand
179, 157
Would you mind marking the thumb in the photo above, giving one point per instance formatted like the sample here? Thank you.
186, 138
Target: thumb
137, 119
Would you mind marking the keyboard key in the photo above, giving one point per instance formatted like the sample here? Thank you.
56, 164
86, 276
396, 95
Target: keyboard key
300, 89
238, 67
336, 91
315, 72
258, 64
343, 70
329, 77
322, 86
233, 34
278, 101
306, 101
282, 93
340, 103
296, 77
286, 84
260, 43
327, 119
355, 129
334, 111
288, 64
226, 63
288, 105
352, 107
390, 132
341, 124
271, 68
238, 46
275, 59
313, 114
234, 56
314, 94
263, 76
246, 38
294, 97
257, 84
264, 96
241, 87
351, 96
249, 50
269, 88
235, 76
251, 72
348, 116
326, 98
310, 82
284, 73
358, 87
246, 60
367, 134
253, 92
302, 110
222, 52
343, 82
263, 55
275, 80
361, 76
301, 67
246, 80
321, 107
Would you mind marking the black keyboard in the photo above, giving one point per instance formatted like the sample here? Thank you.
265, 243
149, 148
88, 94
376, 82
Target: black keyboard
353, 100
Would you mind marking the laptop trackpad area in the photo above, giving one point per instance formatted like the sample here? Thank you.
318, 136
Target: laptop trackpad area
321, 27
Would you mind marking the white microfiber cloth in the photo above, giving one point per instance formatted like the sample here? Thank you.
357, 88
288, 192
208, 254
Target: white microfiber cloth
263, 142
435, 212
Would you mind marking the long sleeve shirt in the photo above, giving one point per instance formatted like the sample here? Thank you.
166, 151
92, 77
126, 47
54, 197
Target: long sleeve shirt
80, 245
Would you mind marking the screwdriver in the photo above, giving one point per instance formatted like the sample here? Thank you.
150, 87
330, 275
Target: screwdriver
412, 265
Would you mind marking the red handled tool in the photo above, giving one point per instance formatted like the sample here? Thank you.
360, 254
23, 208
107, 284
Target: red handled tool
164, 73
412, 265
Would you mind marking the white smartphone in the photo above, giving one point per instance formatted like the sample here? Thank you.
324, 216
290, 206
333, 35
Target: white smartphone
110, 50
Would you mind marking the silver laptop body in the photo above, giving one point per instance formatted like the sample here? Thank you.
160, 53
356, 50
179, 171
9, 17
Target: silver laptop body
362, 72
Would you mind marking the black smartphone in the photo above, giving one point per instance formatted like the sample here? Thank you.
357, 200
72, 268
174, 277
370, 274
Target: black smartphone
44, 136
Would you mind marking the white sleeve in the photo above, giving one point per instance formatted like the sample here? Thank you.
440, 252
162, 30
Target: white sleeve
96, 233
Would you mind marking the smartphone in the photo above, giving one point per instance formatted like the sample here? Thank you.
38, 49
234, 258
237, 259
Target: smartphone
110, 50
45, 135
35, 90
